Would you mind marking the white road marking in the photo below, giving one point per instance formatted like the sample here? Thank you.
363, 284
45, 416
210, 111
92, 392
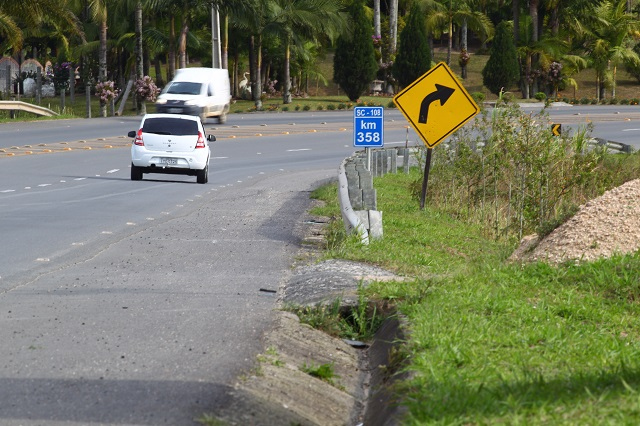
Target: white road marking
219, 158
79, 178
8, 190
301, 149
113, 170
630, 130
44, 184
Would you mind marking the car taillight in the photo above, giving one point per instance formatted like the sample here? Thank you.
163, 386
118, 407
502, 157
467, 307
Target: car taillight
200, 143
138, 140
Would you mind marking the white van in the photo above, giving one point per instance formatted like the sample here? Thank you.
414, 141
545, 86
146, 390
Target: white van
197, 91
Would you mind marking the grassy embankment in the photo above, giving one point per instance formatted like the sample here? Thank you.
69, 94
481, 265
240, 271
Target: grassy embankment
495, 342
499, 343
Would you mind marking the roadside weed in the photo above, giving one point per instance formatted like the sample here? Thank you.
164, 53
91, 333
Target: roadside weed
271, 356
323, 372
359, 322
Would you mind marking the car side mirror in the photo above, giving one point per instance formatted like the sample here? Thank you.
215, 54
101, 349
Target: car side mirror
132, 134
210, 138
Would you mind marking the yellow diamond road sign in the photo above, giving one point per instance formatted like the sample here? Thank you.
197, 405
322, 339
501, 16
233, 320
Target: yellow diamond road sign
436, 105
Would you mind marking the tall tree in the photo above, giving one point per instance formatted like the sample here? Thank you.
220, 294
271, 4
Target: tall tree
502, 70
16, 15
99, 15
354, 62
604, 39
296, 21
414, 56
459, 12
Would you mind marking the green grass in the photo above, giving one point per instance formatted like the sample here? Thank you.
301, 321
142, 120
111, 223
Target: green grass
498, 343
323, 372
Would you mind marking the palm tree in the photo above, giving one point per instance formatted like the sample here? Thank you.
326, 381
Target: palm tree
458, 12
604, 38
296, 21
98, 10
17, 14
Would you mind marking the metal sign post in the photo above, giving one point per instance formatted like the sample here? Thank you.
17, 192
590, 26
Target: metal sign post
436, 105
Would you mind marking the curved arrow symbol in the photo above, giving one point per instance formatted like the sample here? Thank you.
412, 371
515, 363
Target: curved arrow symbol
442, 94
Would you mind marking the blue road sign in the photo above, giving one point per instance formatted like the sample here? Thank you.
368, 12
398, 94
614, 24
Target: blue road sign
368, 126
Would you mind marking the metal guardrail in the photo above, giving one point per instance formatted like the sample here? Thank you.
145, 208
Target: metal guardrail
351, 221
356, 194
618, 147
27, 107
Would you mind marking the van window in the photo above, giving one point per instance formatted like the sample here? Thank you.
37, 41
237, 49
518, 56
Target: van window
170, 126
184, 88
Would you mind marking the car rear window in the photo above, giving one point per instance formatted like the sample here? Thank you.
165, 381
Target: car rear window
170, 126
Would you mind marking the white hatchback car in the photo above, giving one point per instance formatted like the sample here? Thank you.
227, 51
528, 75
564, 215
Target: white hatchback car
173, 144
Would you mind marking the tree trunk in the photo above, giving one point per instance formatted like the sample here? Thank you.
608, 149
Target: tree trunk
535, 31
142, 108
158, 68
182, 44
102, 60
286, 98
376, 25
516, 21
533, 12
450, 45
171, 56
464, 46
234, 74
225, 42
255, 59
393, 25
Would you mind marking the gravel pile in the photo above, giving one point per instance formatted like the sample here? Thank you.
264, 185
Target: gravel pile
602, 227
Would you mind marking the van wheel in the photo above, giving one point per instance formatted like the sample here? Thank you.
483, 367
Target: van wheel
202, 176
136, 172
203, 117
222, 118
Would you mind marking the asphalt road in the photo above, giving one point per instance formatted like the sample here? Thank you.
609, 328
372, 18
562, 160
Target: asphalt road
140, 303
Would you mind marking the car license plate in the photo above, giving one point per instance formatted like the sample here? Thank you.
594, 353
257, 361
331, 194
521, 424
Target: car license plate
175, 110
168, 161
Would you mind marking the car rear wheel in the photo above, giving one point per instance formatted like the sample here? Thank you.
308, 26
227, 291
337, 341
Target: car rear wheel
222, 118
136, 172
203, 175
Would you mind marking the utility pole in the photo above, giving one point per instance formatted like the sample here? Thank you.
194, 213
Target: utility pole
215, 37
